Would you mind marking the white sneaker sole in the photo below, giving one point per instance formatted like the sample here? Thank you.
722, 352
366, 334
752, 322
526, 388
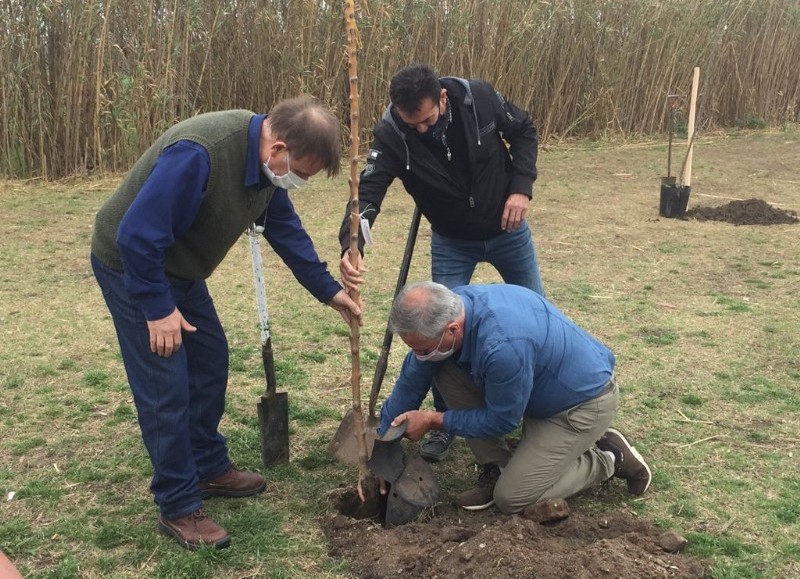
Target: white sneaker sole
477, 507
636, 455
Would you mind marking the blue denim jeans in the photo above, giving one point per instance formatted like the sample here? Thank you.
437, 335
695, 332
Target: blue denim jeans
512, 254
179, 400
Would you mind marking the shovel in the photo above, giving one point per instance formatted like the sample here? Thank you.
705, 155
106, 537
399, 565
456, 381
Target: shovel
273, 408
675, 192
344, 445
670, 198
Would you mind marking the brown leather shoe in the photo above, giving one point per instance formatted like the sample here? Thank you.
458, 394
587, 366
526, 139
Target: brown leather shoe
194, 531
234, 483
481, 496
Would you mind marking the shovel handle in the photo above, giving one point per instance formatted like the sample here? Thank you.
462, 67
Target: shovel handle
253, 234
402, 276
269, 367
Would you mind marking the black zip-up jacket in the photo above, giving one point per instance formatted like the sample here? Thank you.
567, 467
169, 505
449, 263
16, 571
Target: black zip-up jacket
487, 120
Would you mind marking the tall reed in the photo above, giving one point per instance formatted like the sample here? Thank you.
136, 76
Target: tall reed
88, 84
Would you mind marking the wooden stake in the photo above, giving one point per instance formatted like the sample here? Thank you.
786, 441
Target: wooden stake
687, 172
351, 33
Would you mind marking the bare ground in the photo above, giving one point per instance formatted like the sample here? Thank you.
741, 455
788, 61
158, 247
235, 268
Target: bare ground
449, 542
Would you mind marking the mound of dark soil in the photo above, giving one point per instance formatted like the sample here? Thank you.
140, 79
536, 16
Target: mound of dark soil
747, 212
456, 543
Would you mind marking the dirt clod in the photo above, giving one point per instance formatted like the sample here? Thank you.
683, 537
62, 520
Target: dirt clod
547, 511
672, 542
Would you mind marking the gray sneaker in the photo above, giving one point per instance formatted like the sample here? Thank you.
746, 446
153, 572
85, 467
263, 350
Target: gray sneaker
436, 446
481, 496
628, 463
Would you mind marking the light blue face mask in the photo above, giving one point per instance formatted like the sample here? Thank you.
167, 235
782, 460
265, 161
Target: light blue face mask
288, 181
435, 355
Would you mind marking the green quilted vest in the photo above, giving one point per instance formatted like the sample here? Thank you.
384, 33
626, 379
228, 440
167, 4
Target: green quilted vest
227, 209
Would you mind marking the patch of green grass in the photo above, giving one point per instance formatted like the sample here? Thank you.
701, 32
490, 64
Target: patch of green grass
672, 249
692, 400
710, 545
317, 357
290, 372
312, 415
44, 371
67, 364
22, 447
758, 437
758, 389
659, 336
787, 505
684, 509
316, 457
124, 413
242, 359
735, 570
13, 381
758, 284
732, 304
97, 379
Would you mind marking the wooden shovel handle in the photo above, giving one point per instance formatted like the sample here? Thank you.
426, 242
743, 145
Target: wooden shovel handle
402, 276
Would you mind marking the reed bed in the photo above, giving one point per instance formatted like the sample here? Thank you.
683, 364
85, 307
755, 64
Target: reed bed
87, 84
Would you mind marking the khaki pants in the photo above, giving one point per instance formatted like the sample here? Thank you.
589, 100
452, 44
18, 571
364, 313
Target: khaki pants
556, 457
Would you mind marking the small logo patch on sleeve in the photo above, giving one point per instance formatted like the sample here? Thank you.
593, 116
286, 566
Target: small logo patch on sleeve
373, 153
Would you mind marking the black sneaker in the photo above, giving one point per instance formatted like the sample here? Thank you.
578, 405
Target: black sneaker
628, 463
482, 495
436, 446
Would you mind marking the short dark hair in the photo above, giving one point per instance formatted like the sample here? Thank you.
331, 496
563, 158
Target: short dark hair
309, 129
412, 85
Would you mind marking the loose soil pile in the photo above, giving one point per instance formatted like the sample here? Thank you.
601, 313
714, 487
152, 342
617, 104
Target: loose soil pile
747, 212
449, 542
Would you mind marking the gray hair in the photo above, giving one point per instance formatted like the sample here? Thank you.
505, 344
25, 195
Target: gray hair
424, 309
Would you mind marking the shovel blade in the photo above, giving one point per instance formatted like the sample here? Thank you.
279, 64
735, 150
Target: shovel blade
273, 423
344, 444
674, 199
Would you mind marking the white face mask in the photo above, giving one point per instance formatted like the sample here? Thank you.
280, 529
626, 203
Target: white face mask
288, 181
435, 355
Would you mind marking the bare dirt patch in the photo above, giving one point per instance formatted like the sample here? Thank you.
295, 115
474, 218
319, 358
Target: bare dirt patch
746, 212
456, 543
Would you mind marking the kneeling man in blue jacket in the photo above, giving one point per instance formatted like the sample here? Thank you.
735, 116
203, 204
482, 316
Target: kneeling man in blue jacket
502, 355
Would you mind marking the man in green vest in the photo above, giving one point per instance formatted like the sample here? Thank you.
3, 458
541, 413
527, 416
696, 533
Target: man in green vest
165, 229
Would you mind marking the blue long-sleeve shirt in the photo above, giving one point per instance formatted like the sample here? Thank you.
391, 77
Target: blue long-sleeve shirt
168, 203
524, 355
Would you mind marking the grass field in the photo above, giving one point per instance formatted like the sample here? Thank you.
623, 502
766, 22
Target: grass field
703, 317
